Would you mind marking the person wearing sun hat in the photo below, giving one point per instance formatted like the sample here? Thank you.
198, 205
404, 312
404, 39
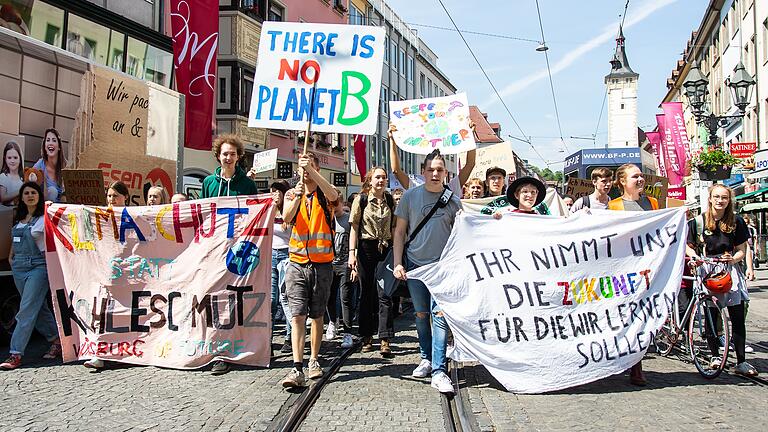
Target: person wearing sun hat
525, 193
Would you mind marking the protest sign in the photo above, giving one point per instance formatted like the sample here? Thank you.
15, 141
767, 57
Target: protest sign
176, 286
655, 186
84, 186
552, 205
265, 161
496, 155
424, 125
547, 303
578, 188
337, 66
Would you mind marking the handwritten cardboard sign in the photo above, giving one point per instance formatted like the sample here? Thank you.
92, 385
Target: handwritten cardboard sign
424, 125
578, 187
497, 155
265, 161
339, 66
84, 186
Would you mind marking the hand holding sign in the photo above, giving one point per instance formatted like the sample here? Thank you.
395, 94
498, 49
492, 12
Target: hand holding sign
424, 125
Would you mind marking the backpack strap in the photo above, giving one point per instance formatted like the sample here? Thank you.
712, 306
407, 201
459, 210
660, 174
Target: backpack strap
441, 202
363, 204
586, 202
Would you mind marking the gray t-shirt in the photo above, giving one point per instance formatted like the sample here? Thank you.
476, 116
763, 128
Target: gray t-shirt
593, 204
430, 241
644, 204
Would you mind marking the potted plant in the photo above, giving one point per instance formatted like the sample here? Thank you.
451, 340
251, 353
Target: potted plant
714, 164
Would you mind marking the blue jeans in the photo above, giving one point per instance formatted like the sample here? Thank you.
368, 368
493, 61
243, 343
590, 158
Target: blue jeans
433, 339
278, 255
31, 279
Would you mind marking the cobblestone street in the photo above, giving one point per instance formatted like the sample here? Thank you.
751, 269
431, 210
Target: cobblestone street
371, 393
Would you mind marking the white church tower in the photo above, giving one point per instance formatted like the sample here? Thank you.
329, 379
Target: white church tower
622, 99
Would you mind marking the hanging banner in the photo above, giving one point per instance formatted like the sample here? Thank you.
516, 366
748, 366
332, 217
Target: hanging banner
676, 136
195, 29
548, 303
655, 139
668, 153
360, 153
424, 125
339, 66
176, 286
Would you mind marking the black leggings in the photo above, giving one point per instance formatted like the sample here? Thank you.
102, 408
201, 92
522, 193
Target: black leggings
375, 307
737, 315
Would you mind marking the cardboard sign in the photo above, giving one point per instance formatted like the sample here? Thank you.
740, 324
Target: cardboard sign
578, 188
84, 187
655, 187
265, 161
128, 283
424, 125
120, 131
573, 300
496, 155
337, 66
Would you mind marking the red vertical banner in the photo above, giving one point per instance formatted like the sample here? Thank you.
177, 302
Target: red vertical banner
675, 123
360, 154
195, 28
673, 170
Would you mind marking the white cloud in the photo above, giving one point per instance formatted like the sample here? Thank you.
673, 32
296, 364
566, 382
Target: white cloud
609, 33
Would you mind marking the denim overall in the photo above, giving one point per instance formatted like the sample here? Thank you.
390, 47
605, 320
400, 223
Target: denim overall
30, 275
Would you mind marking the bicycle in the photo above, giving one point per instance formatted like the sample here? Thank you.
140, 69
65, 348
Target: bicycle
702, 334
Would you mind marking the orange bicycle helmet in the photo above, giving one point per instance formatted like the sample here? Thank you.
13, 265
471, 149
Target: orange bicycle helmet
720, 282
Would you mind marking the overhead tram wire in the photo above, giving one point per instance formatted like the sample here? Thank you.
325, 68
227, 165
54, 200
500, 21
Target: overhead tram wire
551, 81
495, 90
500, 36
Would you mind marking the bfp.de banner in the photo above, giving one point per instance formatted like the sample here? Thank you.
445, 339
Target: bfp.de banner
176, 285
337, 66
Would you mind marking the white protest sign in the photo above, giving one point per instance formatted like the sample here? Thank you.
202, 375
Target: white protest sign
546, 303
265, 161
340, 64
439, 123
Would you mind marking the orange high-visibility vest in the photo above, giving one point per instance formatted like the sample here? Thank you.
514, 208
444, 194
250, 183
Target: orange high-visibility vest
618, 203
311, 237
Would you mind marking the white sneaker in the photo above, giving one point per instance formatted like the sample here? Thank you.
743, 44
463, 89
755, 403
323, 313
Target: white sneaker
423, 369
748, 349
94, 363
330, 332
347, 342
442, 383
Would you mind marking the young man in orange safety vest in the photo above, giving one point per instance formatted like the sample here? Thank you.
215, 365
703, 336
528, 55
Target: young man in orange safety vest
309, 273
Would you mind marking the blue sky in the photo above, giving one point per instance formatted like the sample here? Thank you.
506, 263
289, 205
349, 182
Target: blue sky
581, 37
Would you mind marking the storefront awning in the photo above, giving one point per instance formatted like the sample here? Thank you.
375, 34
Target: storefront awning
754, 207
752, 194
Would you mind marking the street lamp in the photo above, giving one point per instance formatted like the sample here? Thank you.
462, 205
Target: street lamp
697, 90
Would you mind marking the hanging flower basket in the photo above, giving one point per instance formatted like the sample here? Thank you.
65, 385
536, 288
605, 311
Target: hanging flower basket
711, 173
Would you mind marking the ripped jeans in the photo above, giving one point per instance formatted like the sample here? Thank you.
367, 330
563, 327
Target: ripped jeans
433, 337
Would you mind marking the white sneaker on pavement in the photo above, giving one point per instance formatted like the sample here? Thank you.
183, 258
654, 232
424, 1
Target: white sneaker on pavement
330, 332
94, 363
347, 342
748, 349
423, 369
442, 383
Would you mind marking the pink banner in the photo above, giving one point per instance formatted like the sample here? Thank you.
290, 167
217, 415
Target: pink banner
176, 286
655, 139
675, 124
667, 152
195, 27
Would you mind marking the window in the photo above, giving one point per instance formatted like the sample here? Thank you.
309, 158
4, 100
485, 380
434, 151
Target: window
384, 101
411, 72
422, 90
435, 93
765, 41
622, 106
222, 90
403, 64
149, 63
88, 39
386, 51
356, 17
429, 87
276, 12
393, 54
45, 23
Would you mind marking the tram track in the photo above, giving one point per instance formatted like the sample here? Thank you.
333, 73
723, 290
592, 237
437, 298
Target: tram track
457, 412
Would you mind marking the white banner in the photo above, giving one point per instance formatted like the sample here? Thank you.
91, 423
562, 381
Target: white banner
434, 123
546, 303
265, 161
552, 205
340, 64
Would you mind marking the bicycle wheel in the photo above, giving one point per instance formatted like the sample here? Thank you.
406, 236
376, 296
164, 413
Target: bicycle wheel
666, 337
703, 336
